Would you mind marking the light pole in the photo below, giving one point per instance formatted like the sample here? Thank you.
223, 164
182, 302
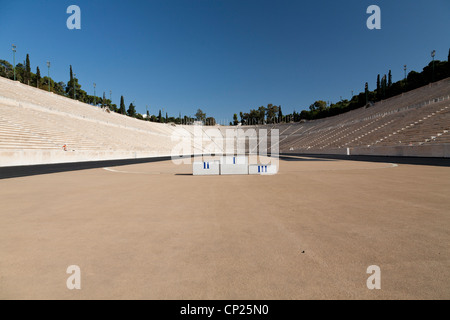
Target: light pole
95, 97
433, 53
14, 60
48, 66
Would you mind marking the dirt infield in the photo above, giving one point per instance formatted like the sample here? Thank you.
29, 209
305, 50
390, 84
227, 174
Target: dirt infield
153, 231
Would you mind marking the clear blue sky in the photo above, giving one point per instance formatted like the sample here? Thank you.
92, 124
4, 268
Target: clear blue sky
225, 56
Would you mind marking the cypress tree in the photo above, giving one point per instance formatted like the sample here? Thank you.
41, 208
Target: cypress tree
448, 64
389, 79
38, 77
70, 83
167, 118
28, 70
378, 87
159, 116
383, 86
367, 92
122, 106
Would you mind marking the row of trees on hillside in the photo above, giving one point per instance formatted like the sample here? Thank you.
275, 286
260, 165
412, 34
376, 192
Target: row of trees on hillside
434, 71
385, 88
73, 89
26, 76
260, 115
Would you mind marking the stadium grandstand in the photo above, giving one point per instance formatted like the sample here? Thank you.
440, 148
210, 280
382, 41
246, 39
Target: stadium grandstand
37, 127
415, 123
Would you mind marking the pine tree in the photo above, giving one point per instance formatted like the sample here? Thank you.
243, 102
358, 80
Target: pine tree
389, 79
131, 110
38, 77
122, 106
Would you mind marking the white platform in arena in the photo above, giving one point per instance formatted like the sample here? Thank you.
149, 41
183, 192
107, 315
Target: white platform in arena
206, 168
233, 165
262, 169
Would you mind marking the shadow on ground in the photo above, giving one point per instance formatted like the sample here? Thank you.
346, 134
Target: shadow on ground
439, 162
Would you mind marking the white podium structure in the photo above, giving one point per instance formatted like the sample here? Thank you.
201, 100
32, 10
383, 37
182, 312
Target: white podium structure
262, 169
206, 168
232, 165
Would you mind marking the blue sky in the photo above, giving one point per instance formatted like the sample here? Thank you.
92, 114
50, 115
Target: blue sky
225, 56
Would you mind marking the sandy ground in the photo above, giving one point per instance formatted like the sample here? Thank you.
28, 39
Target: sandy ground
152, 231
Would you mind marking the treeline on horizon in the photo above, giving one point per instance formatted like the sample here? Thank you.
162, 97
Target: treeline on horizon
72, 89
262, 115
321, 109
